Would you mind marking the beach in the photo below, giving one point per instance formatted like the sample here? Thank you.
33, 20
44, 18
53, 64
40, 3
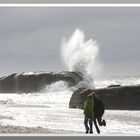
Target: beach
42, 120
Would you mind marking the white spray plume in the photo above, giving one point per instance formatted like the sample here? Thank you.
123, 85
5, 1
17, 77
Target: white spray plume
80, 55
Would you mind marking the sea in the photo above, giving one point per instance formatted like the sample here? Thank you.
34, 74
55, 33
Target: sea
50, 109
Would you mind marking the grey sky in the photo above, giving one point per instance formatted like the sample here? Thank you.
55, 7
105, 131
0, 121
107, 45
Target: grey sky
30, 38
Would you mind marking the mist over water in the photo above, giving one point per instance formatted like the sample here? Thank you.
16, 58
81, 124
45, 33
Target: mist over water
55, 95
81, 56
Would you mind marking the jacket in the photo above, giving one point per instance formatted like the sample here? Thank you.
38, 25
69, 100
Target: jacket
89, 108
98, 107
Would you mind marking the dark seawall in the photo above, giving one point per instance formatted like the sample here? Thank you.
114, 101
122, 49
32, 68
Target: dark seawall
121, 98
35, 82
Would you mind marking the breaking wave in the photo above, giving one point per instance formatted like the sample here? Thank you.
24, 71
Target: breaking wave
81, 56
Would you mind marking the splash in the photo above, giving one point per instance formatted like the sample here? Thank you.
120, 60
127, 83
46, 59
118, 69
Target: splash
57, 86
81, 56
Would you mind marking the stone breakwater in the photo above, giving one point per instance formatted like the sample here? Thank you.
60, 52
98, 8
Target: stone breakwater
119, 97
35, 82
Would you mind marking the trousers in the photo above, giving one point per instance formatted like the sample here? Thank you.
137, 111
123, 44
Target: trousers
88, 122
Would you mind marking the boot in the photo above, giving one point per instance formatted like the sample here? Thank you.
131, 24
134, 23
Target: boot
104, 123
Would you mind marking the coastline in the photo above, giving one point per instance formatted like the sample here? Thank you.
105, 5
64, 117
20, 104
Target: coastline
29, 120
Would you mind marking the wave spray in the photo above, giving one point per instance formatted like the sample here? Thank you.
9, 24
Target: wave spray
81, 56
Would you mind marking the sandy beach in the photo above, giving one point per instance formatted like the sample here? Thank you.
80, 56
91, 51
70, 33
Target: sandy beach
22, 130
29, 119
38, 120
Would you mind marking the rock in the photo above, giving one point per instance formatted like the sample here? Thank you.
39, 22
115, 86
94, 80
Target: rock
114, 86
8, 83
121, 98
34, 82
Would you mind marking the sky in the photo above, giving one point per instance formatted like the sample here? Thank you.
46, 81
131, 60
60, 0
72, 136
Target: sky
31, 38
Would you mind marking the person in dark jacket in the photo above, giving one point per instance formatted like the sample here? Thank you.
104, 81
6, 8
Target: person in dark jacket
98, 113
89, 113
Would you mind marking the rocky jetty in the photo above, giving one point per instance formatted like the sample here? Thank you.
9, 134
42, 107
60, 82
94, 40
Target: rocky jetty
34, 82
119, 97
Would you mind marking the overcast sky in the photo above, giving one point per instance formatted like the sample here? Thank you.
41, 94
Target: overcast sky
30, 38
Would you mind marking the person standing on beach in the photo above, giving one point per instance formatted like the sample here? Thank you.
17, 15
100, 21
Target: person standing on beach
98, 113
89, 113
